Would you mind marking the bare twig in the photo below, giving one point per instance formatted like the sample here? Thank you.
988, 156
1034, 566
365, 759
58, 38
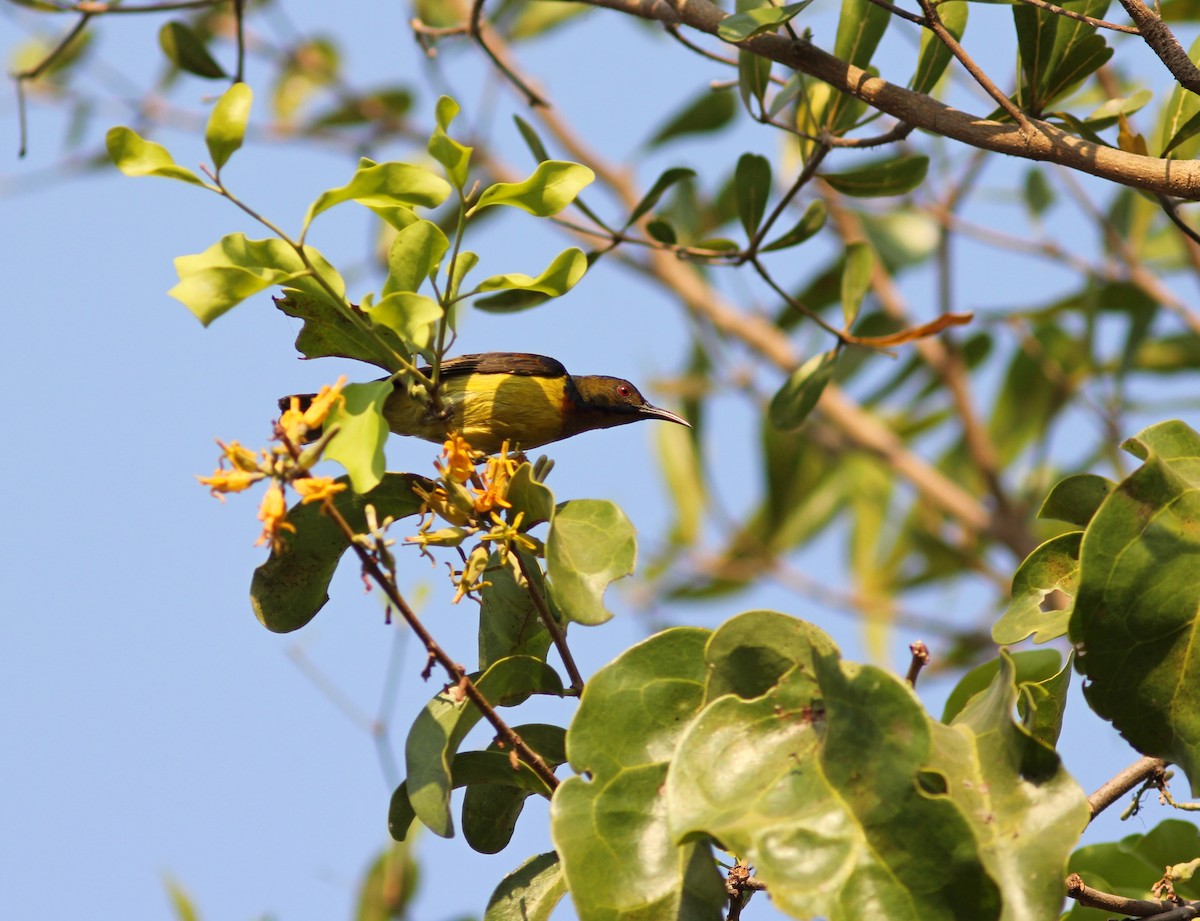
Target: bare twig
1112, 790
32, 73
1138, 908
1079, 17
920, 658
477, 30
551, 625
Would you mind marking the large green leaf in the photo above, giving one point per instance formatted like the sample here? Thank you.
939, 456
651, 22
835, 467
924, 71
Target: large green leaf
1026, 812
798, 396
133, 155
611, 830
815, 783
1137, 611
710, 111
753, 184
896, 176
384, 185
227, 124
445, 721
361, 433
236, 267
414, 256
1076, 499
553, 186
591, 543
186, 50
1032, 665
292, 585
508, 622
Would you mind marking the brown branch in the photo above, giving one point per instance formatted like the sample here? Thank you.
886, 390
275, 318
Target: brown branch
1079, 17
1163, 43
551, 625
1043, 143
933, 22
920, 658
477, 30
32, 73
1138, 908
1112, 790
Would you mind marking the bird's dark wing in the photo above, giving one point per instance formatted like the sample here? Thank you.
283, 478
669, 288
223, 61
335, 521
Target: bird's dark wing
522, 363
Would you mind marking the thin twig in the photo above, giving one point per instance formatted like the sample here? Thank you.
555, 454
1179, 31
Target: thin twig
1112, 790
32, 73
551, 625
239, 14
1108, 901
920, 658
1079, 17
934, 23
903, 14
477, 28
806, 175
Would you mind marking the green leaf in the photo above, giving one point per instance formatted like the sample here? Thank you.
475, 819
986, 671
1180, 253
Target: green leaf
445, 721
808, 225
1052, 567
750, 653
1106, 115
455, 157
293, 584
754, 79
1039, 194
388, 887
227, 124
662, 231
1138, 605
1178, 122
815, 783
414, 256
799, 395
934, 55
186, 50
234, 268
897, 176
1042, 703
532, 141
329, 332
135, 156
384, 185
493, 804
749, 23
529, 893
591, 543
661, 185
560, 276
856, 279
508, 622
388, 105
629, 720
553, 186
752, 181
860, 27
1026, 812
710, 111
530, 498
361, 433
412, 317
1076, 499
1032, 665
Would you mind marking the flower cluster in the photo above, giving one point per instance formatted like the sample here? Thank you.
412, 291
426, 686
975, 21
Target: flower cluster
468, 499
284, 464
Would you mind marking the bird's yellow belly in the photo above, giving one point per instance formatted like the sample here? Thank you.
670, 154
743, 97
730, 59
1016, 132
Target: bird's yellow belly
486, 410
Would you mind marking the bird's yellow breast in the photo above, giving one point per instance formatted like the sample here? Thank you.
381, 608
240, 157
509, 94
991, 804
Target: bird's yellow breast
486, 410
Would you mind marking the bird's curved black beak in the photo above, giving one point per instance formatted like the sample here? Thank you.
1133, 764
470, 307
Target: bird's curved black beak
655, 412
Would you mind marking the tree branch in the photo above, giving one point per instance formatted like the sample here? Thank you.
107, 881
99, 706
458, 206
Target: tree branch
1138, 908
1163, 43
1109, 792
1039, 141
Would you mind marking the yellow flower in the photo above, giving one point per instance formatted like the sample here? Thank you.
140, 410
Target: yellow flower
223, 481
323, 402
317, 488
457, 454
273, 514
495, 478
241, 458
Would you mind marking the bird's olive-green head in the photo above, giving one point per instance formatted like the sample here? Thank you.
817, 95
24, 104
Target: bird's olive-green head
600, 402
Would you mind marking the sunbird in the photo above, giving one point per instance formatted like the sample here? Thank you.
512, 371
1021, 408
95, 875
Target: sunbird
527, 400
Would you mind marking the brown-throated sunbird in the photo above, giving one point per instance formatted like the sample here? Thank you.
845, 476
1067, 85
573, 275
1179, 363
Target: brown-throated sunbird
524, 399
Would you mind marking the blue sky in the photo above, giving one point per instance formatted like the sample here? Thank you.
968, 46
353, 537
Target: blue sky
153, 728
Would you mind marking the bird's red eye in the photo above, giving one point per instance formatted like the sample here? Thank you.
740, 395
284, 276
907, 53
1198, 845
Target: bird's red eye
624, 390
